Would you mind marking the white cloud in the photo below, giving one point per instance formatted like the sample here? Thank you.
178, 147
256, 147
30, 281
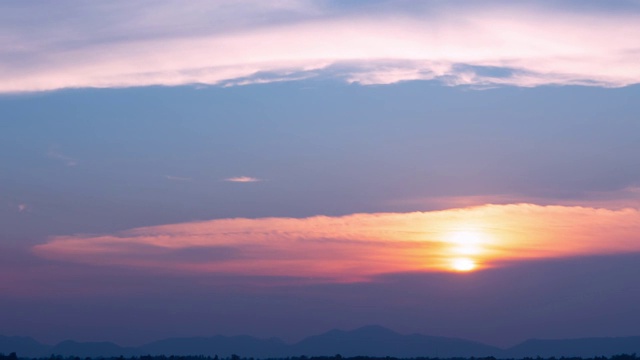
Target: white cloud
239, 42
242, 179
54, 153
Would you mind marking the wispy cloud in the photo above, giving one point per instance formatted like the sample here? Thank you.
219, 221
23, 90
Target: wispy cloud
22, 207
458, 43
54, 153
242, 179
358, 246
628, 197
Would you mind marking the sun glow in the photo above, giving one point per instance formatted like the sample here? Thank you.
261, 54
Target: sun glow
466, 247
463, 264
467, 242
360, 247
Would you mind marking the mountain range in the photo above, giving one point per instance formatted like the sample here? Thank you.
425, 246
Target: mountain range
366, 341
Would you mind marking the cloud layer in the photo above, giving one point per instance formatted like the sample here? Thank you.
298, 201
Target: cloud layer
361, 246
235, 43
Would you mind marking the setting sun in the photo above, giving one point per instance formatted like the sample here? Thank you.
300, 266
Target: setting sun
466, 245
463, 264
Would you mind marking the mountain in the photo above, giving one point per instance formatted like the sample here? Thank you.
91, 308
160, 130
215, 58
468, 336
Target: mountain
366, 341
223, 346
585, 347
379, 341
23, 346
92, 349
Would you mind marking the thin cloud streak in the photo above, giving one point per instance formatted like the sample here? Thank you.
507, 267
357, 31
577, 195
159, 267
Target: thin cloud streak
359, 247
242, 179
459, 44
628, 197
54, 153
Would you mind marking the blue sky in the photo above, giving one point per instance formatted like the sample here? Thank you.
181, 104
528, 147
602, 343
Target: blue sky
148, 156
218, 167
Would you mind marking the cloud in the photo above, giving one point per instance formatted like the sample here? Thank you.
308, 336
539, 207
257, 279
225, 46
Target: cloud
628, 197
54, 153
22, 207
227, 43
359, 247
242, 179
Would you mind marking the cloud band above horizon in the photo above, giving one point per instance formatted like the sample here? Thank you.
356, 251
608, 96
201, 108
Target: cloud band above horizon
358, 247
235, 43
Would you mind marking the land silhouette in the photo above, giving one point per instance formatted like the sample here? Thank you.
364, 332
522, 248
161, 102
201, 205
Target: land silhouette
368, 341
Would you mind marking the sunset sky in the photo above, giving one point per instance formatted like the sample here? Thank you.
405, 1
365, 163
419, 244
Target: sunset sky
453, 168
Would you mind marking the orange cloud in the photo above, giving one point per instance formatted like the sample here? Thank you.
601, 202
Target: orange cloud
359, 246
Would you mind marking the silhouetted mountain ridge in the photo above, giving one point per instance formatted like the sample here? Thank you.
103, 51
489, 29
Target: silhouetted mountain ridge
25, 346
218, 345
92, 349
380, 341
375, 341
582, 347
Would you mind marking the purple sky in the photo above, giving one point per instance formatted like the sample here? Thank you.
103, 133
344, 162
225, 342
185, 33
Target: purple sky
450, 168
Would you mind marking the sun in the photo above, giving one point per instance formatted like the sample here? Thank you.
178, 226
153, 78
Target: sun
463, 264
466, 247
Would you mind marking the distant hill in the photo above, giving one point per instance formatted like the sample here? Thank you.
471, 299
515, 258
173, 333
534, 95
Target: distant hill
24, 346
585, 347
379, 341
218, 345
366, 341
91, 349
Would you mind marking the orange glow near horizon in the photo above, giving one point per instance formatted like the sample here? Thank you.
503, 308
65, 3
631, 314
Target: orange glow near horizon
463, 264
359, 247
466, 246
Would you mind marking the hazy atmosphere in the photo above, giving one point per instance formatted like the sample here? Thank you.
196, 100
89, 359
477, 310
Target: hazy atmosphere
465, 169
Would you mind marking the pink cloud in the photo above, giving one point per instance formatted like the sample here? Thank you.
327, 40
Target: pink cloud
360, 246
242, 179
618, 199
538, 45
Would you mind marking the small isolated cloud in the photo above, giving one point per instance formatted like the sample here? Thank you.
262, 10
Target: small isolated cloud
56, 154
177, 178
22, 207
360, 247
242, 179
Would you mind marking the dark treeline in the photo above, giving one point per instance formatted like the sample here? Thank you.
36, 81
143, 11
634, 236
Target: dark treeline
14, 356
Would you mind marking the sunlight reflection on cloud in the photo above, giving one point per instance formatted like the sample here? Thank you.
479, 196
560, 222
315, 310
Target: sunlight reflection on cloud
359, 246
454, 43
242, 179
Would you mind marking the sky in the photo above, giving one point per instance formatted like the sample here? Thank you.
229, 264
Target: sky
283, 168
